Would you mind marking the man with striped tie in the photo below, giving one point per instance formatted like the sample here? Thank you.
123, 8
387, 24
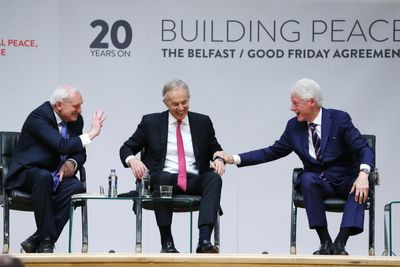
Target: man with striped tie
336, 159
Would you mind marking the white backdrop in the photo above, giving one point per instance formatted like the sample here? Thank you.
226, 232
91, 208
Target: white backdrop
246, 96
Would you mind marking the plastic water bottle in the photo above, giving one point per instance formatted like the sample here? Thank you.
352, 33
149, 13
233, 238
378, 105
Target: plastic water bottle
115, 191
112, 184
146, 184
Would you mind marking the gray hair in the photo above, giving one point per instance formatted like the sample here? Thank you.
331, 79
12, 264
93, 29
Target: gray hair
174, 84
63, 93
306, 89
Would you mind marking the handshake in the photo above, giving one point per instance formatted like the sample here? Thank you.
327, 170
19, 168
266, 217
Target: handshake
226, 158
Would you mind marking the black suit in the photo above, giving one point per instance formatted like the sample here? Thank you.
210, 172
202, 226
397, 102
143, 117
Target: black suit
36, 156
151, 136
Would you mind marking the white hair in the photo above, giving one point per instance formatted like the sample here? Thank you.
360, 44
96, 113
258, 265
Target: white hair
63, 93
306, 89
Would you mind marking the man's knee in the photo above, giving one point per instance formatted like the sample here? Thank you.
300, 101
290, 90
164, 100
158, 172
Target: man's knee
308, 180
76, 186
214, 179
41, 178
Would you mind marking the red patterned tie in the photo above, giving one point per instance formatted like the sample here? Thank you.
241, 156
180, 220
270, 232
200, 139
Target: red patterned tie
181, 158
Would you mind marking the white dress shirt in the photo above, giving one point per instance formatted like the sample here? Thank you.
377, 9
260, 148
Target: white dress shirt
171, 159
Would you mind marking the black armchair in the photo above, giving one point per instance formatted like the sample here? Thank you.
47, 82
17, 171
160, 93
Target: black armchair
180, 203
22, 201
336, 204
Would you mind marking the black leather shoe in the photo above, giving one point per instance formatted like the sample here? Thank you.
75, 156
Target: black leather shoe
326, 248
169, 248
339, 249
31, 244
46, 245
205, 246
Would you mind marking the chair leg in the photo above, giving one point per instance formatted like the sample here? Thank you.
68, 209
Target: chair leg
6, 225
386, 221
217, 233
371, 248
191, 230
293, 226
85, 238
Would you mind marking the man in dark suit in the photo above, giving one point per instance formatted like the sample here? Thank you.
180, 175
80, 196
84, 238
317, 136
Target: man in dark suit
50, 151
336, 159
158, 134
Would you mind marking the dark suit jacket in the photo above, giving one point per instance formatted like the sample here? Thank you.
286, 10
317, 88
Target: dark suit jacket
152, 133
41, 145
343, 147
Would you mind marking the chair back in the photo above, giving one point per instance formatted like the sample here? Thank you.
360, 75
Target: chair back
371, 140
8, 143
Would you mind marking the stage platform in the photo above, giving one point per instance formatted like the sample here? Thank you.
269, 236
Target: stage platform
196, 260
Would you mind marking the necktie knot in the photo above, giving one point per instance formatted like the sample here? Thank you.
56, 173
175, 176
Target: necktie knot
64, 129
313, 126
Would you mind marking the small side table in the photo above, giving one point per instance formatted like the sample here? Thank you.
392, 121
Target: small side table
388, 228
189, 202
85, 197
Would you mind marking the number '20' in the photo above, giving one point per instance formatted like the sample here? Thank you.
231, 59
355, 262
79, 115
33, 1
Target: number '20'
98, 41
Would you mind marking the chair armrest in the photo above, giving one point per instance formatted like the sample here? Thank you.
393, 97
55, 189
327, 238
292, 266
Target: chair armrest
2, 183
82, 174
2, 176
374, 177
295, 175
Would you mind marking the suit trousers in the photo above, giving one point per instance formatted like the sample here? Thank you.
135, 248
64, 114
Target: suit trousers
51, 209
315, 188
207, 185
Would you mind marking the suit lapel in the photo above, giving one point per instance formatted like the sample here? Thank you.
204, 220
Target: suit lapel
325, 129
193, 130
50, 113
304, 139
164, 132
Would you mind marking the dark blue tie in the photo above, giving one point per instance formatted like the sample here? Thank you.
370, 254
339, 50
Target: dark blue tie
63, 158
316, 140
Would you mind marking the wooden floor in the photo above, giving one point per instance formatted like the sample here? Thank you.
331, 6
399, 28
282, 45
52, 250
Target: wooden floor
195, 260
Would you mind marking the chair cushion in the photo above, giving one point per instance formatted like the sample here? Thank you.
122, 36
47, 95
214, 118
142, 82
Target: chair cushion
180, 203
20, 200
331, 204
23, 201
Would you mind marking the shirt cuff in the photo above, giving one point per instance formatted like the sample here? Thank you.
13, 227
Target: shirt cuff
129, 158
236, 159
365, 166
74, 163
85, 139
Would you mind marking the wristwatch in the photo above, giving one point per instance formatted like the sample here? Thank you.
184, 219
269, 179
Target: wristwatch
365, 170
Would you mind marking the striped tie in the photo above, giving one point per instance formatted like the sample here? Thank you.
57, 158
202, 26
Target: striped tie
316, 140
